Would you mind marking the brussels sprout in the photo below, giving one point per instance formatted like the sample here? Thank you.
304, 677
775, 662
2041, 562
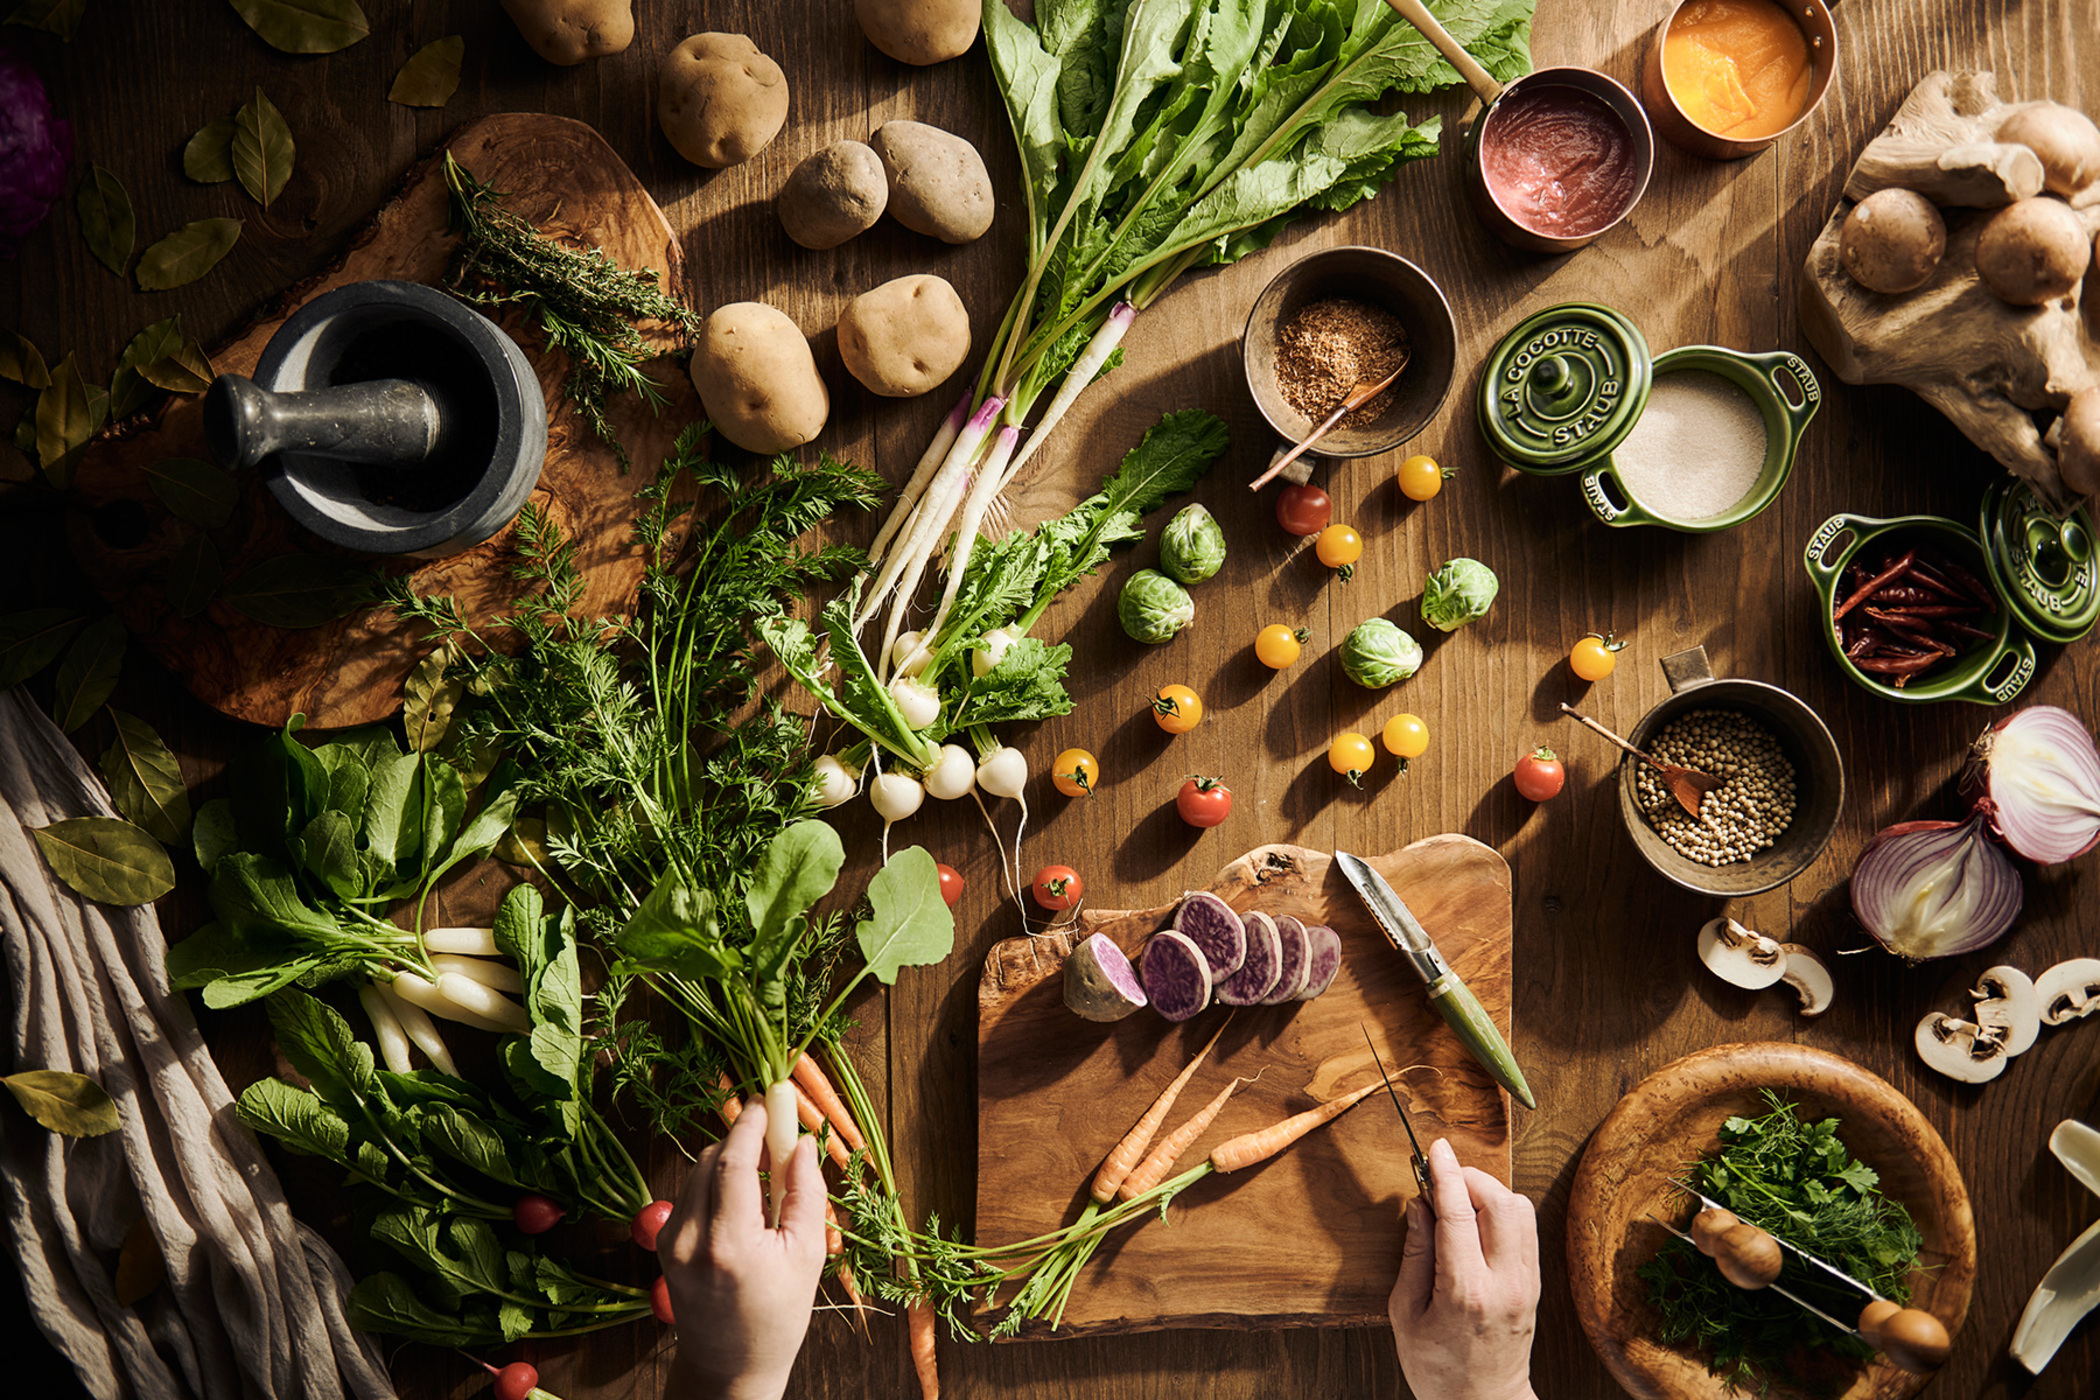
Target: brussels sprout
1377, 654
1457, 593
1192, 547
1154, 607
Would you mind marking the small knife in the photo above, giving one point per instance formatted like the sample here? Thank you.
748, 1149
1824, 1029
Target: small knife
1448, 993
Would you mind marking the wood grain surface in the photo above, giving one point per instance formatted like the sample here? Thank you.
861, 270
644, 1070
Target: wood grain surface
1607, 984
1308, 1238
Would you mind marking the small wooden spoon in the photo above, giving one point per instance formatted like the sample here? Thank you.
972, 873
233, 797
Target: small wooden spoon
1687, 785
1362, 394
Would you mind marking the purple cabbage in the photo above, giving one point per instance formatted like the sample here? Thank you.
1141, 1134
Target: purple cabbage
35, 148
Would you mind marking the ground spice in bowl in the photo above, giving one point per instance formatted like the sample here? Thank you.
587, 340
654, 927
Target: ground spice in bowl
1696, 451
1751, 809
1332, 345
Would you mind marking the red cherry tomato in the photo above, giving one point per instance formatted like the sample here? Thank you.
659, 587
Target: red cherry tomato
1058, 887
535, 1214
648, 1224
1303, 510
660, 1301
1204, 802
1539, 775
516, 1381
951, 884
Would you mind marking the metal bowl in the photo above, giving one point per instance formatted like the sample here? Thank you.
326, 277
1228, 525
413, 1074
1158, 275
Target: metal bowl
1817, 26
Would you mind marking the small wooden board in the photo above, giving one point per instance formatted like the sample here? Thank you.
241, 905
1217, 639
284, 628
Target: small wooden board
563, 177
1311, 1237
1674, 1117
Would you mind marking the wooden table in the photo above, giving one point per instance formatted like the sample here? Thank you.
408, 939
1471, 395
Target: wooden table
1607, 984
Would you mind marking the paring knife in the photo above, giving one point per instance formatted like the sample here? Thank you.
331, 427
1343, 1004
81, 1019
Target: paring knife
1448, 993
1414, 1144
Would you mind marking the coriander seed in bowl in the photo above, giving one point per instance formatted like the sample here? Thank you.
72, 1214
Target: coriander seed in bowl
1751, 809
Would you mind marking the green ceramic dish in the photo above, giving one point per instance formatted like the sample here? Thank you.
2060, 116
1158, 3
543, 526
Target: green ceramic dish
1988, 673
1785, 418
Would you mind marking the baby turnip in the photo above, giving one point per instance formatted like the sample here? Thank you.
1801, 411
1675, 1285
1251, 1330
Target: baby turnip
1004, 773
951, 775
909, 655
894, 797
916, 701
833, 783
988, 656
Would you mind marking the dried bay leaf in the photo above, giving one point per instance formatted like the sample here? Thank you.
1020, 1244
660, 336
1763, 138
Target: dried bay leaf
67, 1103
60, 17
64, 422
107, 859
145, 781
106, 220
194, 575
22, 362
301, 590
262, 149
186, 254
163, 356
194, 490
428, 698
128, 392
305, 26
32, 640
431, 75
88, 673
208, 158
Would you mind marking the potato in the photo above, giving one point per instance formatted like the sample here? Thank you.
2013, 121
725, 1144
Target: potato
919, 31
2078, 443
2033, 251
906, 336
938, 183
836, 194
2064, 139
569, 31
1892, 241
757, 378
720, 100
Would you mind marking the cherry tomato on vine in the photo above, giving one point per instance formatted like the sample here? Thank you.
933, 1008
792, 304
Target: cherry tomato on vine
1057, 887
1539, 775
1204, 801
1303, 510
1351, 755
1593, 658
1075, 773
951, 883
1177, 709
1339, 547
1406, 737
1277, 645
1420, 477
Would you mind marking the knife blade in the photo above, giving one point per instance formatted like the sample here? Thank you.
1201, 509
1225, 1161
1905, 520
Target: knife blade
1414, 1144
1448, 992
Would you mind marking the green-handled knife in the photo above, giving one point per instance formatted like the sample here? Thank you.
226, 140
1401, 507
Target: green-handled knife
1448, 993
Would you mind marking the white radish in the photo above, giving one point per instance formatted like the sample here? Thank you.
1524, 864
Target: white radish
1004, 773
936, 453
1083, 371
417, 1026
987, 657
419, 991
471, 942
916, 701
895, 796
952, 775
500, 977
990, 478
835, 783
783, 1129
386, 1028
906, 563
484, 1001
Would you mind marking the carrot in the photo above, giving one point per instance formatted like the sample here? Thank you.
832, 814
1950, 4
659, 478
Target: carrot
811, 1077
1264, 1143
731, 1106
923, 1358
852, 1291
1155, 1167
834, 1238
813, 1120
1118, 1163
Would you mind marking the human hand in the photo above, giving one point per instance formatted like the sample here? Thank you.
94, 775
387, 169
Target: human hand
1466, 1302
742, 1291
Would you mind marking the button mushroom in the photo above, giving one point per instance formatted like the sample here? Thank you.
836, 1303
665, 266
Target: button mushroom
2032, 252
1740, 957
2070, 991
1808, 976
2008, 1006
1892, 241
1959, 1049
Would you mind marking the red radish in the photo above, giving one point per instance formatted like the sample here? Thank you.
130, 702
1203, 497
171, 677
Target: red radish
535, 1214
660, 1301
649, 1223
516, 1381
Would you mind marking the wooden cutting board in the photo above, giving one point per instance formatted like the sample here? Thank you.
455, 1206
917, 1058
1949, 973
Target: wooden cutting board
1311, 1237
1674, 1117
563, 177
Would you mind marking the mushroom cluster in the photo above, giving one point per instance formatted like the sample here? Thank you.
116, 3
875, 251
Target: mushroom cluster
1744, 958
2011, 1009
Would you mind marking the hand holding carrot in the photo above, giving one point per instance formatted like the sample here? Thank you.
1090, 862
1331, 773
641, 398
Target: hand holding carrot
1466, 1302
741, 1291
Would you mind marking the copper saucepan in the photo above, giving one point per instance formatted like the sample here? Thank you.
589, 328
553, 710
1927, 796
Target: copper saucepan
1680, 131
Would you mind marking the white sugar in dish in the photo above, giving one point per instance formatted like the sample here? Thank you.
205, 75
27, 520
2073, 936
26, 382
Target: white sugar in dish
1697, 449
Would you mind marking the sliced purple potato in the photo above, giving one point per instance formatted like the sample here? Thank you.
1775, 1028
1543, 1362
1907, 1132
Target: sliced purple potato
1209, 923
1100, 983
1326, 960
1177, 976
1251, 985
1296, 966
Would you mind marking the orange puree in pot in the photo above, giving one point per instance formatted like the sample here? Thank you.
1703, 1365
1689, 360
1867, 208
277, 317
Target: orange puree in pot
1737, 68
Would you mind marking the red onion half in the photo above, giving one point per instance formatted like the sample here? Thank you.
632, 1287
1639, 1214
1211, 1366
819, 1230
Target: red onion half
1934, 889
2041, 778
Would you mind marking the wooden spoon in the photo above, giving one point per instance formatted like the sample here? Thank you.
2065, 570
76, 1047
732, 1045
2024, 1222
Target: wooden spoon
1362, 394
1484, 84
1687, 785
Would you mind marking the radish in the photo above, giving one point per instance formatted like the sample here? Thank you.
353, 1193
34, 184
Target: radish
909, 655
517, 1381
470, 942
499, 977
894, 797
419, 991
534, 1214
916, 701
648, 1223
1083, 372
1003, 773
386, 1028
987, 657
783, 1129
660, 1301
834, 782
908, 556
416, 1025
936, 453
952, 775
991, 478
485, 1002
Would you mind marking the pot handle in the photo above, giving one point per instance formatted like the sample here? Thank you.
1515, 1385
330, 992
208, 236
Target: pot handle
1772, 364
1687, 669
1601, 504
1297, 473
1823, 566
1980, 692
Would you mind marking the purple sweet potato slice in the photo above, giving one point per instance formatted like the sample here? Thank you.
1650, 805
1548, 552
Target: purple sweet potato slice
1177, 976
1297, 961
1325, 963
1208, 922
1100, 983
1257, 975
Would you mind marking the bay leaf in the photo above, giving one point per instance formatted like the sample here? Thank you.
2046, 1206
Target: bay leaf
194, 491
67, 1103
25, 434
163, 356
30, 641
88, 672
107, 859
431, 75
194, 575
106, 220
128, 392
64, 422
301, 590
145, 781
60, 17
186, 254
22, 362
305, 26
155, 342
262, 149
208, 158
428, 698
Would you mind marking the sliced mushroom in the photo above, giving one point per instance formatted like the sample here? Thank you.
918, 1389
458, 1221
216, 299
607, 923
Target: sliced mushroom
1807, 975
1738, 956
2008, 1006
2069, 991
1959, 1049
2077, 1146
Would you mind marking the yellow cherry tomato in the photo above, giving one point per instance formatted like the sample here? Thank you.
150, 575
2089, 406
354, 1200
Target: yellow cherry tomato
1406, 737
1276, 646
1593, 657
1420, 478
1075, 773
1177, 709
1351, 755
1339, 547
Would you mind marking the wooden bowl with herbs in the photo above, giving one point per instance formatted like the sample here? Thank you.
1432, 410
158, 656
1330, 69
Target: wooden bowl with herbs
1646, 1303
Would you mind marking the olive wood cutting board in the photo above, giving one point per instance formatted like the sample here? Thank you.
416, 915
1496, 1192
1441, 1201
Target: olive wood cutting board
1312, 1236
1674, 1117
564, 178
